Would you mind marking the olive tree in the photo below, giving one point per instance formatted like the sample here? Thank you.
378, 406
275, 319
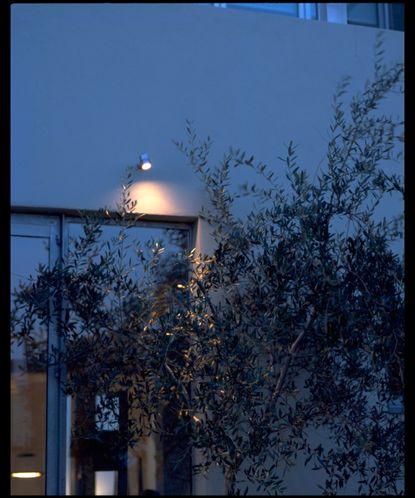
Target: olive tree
293, 324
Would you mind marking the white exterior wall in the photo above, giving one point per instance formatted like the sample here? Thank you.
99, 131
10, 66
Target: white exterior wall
95, 85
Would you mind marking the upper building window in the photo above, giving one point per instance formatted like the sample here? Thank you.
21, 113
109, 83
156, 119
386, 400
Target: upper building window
396, 16
287, 9
379, 15
365, 14
376, 15
301, 10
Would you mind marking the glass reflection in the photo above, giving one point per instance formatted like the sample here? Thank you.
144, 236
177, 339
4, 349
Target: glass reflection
365, 14
396, 16
102, 459
28, 380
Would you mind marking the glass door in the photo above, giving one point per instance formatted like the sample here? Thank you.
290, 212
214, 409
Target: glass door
76, 444
33, 242
102, 457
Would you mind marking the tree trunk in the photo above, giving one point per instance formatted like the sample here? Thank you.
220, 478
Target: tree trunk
230, 478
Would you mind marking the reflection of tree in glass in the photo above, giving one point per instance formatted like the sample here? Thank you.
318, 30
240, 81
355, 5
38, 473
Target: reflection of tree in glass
177, 238
107, 300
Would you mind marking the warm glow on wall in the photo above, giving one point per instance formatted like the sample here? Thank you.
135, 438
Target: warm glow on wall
154, 198
163, 198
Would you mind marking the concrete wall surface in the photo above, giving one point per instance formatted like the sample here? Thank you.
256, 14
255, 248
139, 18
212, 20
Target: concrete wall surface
95, 85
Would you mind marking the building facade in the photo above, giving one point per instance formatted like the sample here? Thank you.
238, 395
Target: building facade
96, 85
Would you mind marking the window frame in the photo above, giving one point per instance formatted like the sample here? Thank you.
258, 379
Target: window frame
54, 225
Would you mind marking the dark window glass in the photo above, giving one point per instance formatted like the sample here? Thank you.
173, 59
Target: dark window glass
396, 16
365, 14
28, 380
287, 9
101, 458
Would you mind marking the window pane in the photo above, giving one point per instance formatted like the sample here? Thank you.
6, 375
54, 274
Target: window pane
102, 458
365, 14
313, 10
396, 16
288, 9
28, 380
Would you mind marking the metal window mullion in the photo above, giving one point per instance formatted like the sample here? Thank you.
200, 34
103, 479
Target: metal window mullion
301, 10
63, 406
322, 12
54, 406
383, 14
380, 15
65, 400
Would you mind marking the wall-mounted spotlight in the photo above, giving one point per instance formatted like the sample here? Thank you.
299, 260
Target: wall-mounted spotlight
144, 162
